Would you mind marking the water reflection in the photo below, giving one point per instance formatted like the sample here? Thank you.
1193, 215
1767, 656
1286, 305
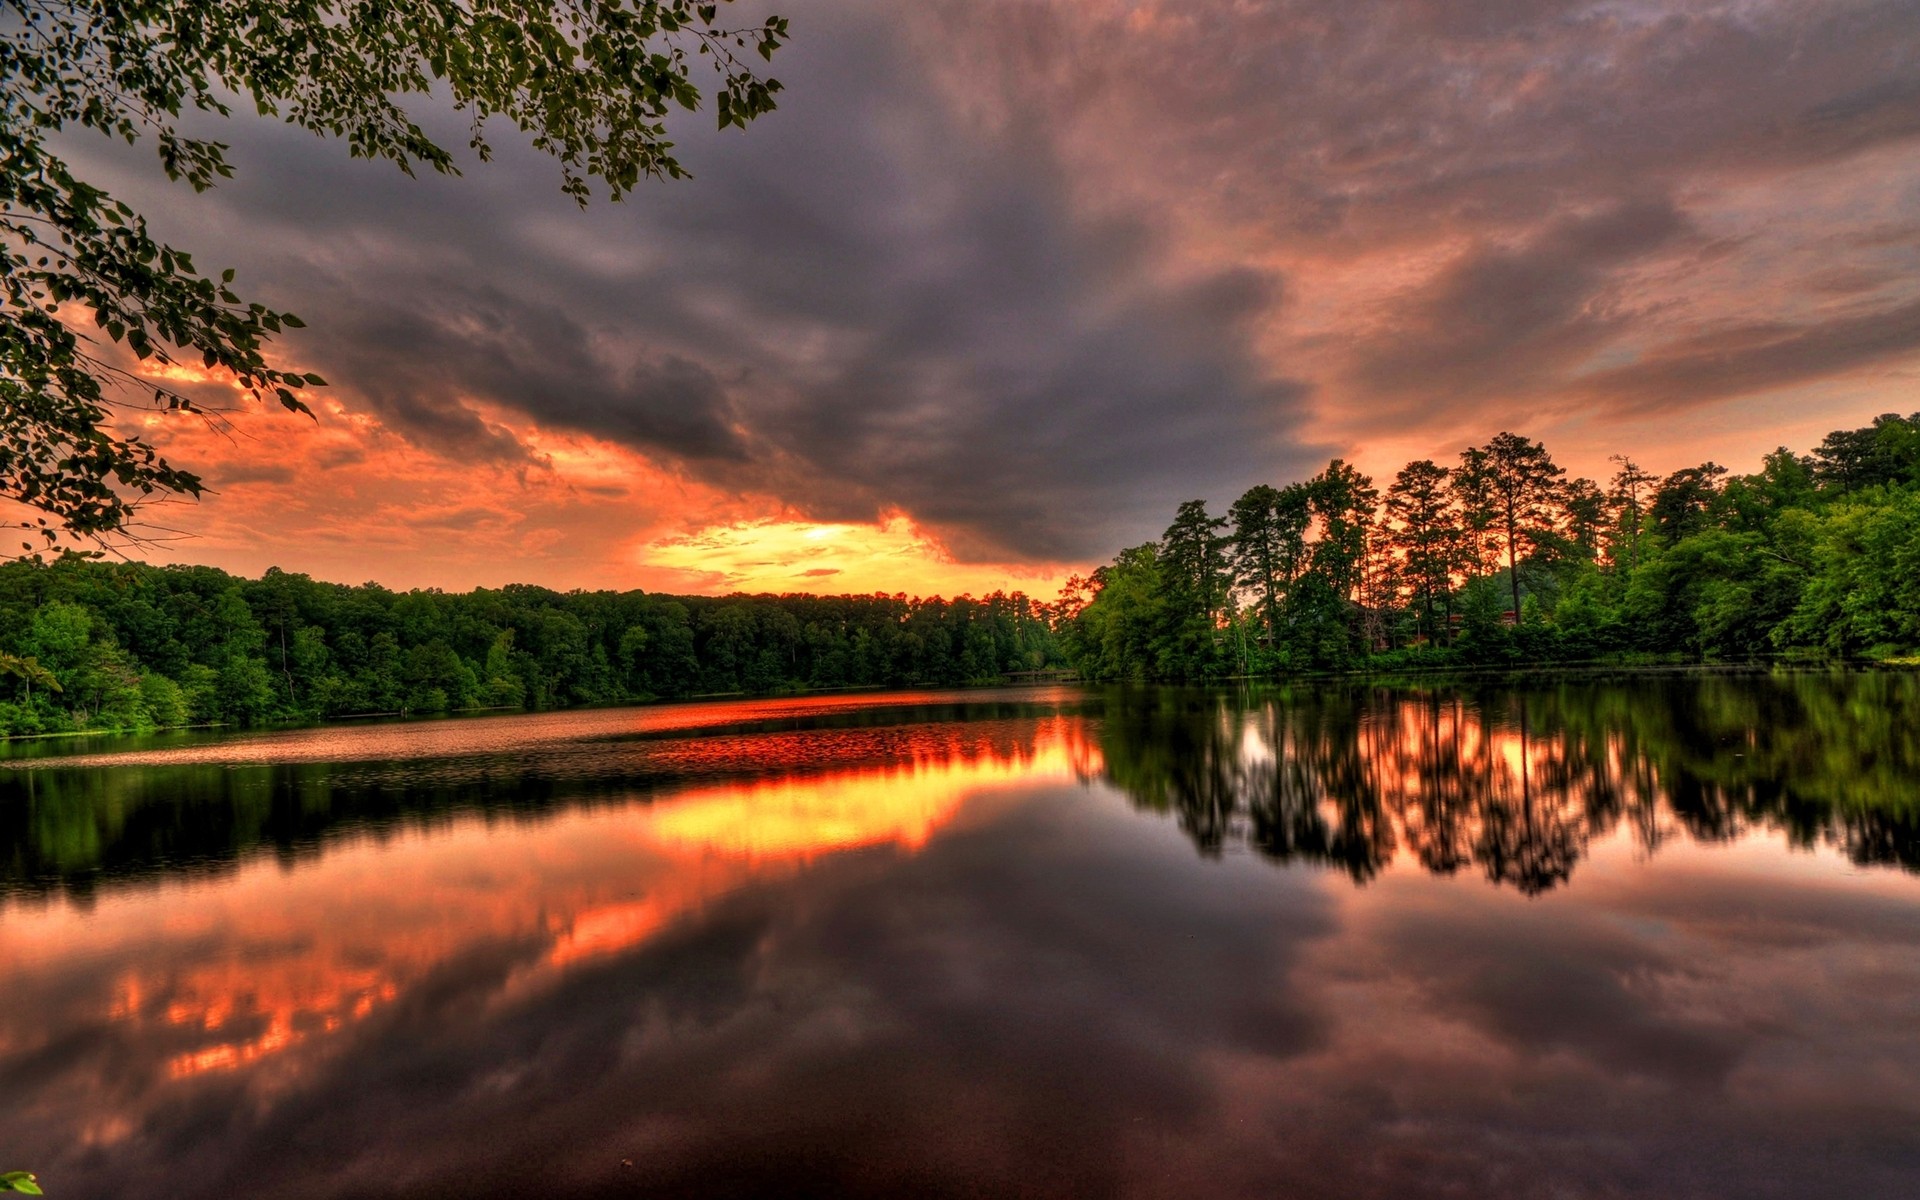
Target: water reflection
930, 947
72, 824
272, 975
1511, 782
1518, 782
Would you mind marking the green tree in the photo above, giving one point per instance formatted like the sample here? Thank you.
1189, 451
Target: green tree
1257, 547
165, 703
1126, 631
59, 636
1887, 451
1628, 494
591, 82
1687, 501
243, 690
1195, 556
1424, 529
1784, 481
1586, 513
1514, 489
1864, 593
27, 669
1343, 499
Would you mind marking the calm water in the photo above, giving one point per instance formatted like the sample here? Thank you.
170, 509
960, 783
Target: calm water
1638, 937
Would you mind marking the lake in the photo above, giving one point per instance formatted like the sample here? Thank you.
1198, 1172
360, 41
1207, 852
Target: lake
1647, 935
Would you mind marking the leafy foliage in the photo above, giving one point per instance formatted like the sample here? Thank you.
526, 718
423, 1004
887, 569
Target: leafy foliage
1501, 560
590, 82
99, 646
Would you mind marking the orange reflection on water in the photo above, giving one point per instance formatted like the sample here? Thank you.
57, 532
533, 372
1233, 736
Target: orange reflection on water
270, 965
308, 996
900, 805
719, 837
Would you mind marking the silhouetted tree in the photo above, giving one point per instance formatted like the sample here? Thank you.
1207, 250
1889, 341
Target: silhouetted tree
1513, 486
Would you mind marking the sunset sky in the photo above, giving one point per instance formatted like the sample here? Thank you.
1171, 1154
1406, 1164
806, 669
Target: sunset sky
1001, 283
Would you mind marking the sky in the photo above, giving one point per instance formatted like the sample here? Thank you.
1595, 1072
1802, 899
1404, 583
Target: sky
1002, 282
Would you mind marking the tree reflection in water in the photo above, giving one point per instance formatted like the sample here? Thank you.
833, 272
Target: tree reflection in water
1517, 781
1512, 779
889, 946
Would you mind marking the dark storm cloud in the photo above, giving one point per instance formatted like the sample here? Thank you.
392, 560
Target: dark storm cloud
1502, 320
420, 364
956, 272
872, 302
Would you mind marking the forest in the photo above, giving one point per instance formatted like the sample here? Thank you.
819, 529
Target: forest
89, 645
1498, 559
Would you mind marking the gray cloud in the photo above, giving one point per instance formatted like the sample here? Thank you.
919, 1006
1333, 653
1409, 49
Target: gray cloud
956, 273
1756, 357
871, 302
421, 364
1502, 320
1504, 127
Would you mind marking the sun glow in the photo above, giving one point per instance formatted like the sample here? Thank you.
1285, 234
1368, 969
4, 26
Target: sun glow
186, 373
893, 554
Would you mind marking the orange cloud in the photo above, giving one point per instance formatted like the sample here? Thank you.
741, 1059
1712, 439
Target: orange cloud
342, 496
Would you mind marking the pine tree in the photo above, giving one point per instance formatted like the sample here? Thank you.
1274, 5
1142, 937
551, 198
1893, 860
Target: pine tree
1514, 486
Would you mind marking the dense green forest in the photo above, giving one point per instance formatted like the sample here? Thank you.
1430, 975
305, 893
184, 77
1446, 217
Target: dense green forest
1499, 559
94, 645
1502, 559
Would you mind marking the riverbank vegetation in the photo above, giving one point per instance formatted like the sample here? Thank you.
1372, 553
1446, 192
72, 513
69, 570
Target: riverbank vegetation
123, 646
1497, 560
1500, 559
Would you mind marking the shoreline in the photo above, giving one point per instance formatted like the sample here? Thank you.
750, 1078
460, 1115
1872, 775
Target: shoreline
1437, 673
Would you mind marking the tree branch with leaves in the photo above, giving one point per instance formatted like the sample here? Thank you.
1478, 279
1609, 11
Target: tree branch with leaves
592, 83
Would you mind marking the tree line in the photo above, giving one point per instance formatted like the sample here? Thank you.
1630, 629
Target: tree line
1500, 558
1496, 559
89, 645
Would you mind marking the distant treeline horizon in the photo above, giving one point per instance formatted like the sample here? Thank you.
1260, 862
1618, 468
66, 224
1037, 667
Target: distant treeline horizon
95, 645
1498, 559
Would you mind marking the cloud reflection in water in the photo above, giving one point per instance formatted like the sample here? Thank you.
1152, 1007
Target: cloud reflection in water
938, 957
